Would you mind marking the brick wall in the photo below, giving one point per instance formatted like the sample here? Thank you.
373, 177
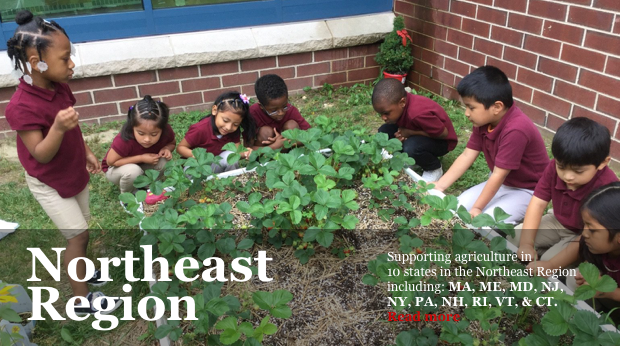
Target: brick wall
107, 98
562, 56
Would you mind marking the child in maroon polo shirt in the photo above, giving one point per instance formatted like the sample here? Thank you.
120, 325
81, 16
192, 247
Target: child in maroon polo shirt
50, 145
581, 151
420, 123
512, 146
273, 114
228, 114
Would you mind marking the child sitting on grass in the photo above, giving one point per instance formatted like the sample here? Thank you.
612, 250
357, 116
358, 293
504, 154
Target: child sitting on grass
419, 122
512, 145
581, 153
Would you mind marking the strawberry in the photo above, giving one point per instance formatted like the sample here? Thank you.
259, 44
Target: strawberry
419, 251
528, 328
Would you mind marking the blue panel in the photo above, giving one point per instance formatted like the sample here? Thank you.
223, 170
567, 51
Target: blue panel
297, 10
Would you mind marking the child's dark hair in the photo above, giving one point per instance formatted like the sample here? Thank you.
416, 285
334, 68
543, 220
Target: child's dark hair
31, 32
231, 101
145, 109
487, 85
390, 90
603, 205
581, 142
270, 87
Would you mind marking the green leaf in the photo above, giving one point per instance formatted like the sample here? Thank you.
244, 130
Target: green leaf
228, 336
217, 306
554, 324
163, 331
227, 323
65, 334
606, 284
349, 222
325, 238
226, 245
483, 220
499, 214
263, 299
370, 280
584, 292
281, 311
609, 339
245, 244
589, 272
587, 322
206, 250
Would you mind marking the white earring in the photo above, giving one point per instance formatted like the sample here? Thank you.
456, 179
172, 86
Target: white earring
42, 66
29, 67
28, 79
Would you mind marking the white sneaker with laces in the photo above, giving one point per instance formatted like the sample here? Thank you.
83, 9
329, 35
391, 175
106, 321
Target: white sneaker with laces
106, 307
433, 175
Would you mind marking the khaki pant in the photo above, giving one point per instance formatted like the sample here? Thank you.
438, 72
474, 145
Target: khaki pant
551, 238
70, 215
125, 175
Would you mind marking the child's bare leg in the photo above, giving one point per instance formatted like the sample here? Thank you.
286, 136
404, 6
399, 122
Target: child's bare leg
289, 125
264, 133
76, 247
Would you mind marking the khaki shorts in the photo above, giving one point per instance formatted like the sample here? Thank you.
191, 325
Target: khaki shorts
70, 215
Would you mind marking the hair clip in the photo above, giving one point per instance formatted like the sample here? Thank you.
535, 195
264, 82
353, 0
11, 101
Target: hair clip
130, 108
244, 98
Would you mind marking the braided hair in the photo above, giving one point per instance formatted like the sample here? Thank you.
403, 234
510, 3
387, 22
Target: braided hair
145, 109
232, 101
31, 32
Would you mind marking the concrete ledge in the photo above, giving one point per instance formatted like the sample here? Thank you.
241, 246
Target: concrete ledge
157, 52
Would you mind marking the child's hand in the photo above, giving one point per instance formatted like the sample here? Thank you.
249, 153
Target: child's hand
277, 138
150, 158
165, 153
66, 120
525, 250
579, 278
246, 154
93, 165
398, 135
539, 264
475, 212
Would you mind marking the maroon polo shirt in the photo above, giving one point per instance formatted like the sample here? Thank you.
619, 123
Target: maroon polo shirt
34, 108
202, 135
514, 144
131, 147
262, 119
612, 264
566, 203
423, 114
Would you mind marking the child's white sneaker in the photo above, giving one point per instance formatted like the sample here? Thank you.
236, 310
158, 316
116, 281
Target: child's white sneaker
107, 307
433, 175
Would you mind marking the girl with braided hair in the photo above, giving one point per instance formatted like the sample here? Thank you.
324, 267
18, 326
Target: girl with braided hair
146, 141
50, 145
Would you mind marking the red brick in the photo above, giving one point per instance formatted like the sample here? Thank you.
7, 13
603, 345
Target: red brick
509, 69
578, 2
200, 84
109, 119
554, 122
583, 57
219, 68
460, 38
476, 27
609, 106
557, 69
178, 73
82, 98
547, 9
370, 61
239, 79
520, 57
413, 24
484, 2
342, 65
248, 90
449, 93
430, 85
425, 14
615, 149
209, 96
423, 41
445, 48
135, 78
525, 23
613, 66
438, 4
456, 67
333, 78
471, 57
574, 93
404, 8
369, 49
432, 58
312, 69
551, 104
200, 108
563, 32
158, 89
362, 74
542, 45
331, 54
538, 116
607, 4
417, 52
413, 77
603, 42
114, 94
124, 105
600, 83
6, 93
534, 79
521, 91
258, 64
508, 36
286, 72
294, 59
449, 20
463, 8
422, 67
515, 5
433, 30
491, 15
90, 83
443, 76
609, 123
592, 18
98, 110
183, 99
298, 83
488, 47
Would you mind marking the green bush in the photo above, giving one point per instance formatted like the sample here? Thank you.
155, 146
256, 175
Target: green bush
393, 57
